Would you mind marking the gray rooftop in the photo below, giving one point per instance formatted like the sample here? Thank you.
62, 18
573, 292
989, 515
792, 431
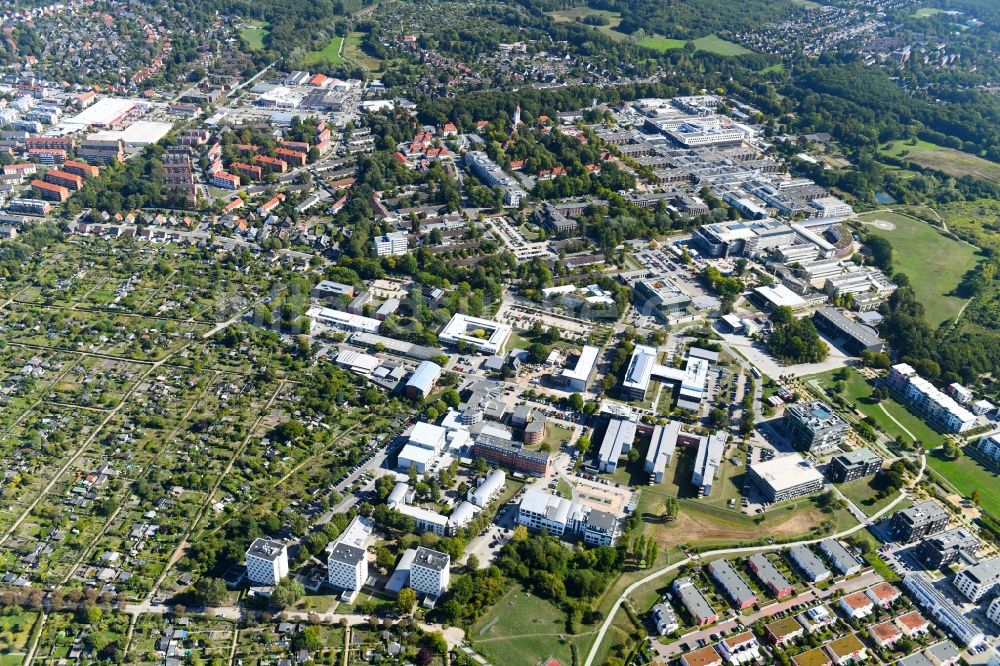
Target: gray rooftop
265, 549
809, 563
347, 554
842, 560
768, 573
431, 559
732, 582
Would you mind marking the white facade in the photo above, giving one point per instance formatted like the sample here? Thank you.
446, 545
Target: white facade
391, 245
943, 610
489, 489
559, 516
429, 572
977, 581
940, 409
347, 558
483, 335
267, 562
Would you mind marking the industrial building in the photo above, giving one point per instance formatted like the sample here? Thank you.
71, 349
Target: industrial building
939, 409
918, 521
422, 381
856, 336
856, 464
814, 426
785, 477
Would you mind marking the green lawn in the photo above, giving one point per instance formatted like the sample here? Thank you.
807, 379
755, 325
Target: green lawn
524, 629
863, 493
354, 53
710, 43
574, 13
924, 12
934, 263
857, 391
966, 474
331, 53
255, 34
953, 162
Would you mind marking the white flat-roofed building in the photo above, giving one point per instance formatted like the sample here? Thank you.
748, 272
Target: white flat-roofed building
781, 296
940, 409
948, 616
706, 463
347, 558
831, 206
327, 288
665, 618
356, 362
575, 378
483, 335
267, 562
391, 245
343, 320
416, 457
742, 648
977, 581
661, 450
540, 511
422, 381
429, 572
639, 372
428, 436
425, 519
814, 426
617, 441
989, 448
489, 489
785, 477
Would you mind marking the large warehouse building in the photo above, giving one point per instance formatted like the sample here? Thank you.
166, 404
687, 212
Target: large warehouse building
785, 477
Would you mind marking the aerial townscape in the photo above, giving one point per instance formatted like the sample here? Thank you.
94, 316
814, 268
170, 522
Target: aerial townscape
521, 333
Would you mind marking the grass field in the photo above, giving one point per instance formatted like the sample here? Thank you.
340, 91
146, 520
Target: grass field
710, 43
525, 629
966, 474
574, 13
330, 54
857, 391
951, 161
863, 492
934, 263
354, 53
924, 12
254, 34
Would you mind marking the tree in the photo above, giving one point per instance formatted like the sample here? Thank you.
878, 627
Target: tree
976, 496
286, 594
406, 601
210, 591
576, 401
519, 534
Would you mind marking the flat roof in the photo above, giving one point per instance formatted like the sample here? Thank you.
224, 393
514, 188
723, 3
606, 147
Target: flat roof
584, 364
779, 295
863, 335
431, 559
785, 472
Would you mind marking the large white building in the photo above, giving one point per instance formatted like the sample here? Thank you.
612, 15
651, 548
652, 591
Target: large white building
391, 245
977, 581
267, 562
575, 378
493, 176
785, 477
347, 558
560, 517
429, 572
941, 410
989, 448
489, 489
483, 335
343, 320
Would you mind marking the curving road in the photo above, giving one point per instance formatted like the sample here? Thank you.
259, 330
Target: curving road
736, 551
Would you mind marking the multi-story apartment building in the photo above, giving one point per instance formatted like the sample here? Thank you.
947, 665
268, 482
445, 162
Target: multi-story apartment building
68, 180
391, 244
855, 464
178, 173
267, 562
429, 572
347, 558
769, 575
939, 409
811, 567
493, 176
102, 151
559, 516
512, 455
814, 426
946, 547
694, 601
977, 581
920, 520
988, 448
943, 610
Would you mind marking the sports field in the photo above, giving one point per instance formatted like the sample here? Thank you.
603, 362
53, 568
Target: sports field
330, 54
525, 629
953, 162
710, 43
924, 12
254, 34
934, 263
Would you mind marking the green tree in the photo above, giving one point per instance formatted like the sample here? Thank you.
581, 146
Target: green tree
286, 594
406, 601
